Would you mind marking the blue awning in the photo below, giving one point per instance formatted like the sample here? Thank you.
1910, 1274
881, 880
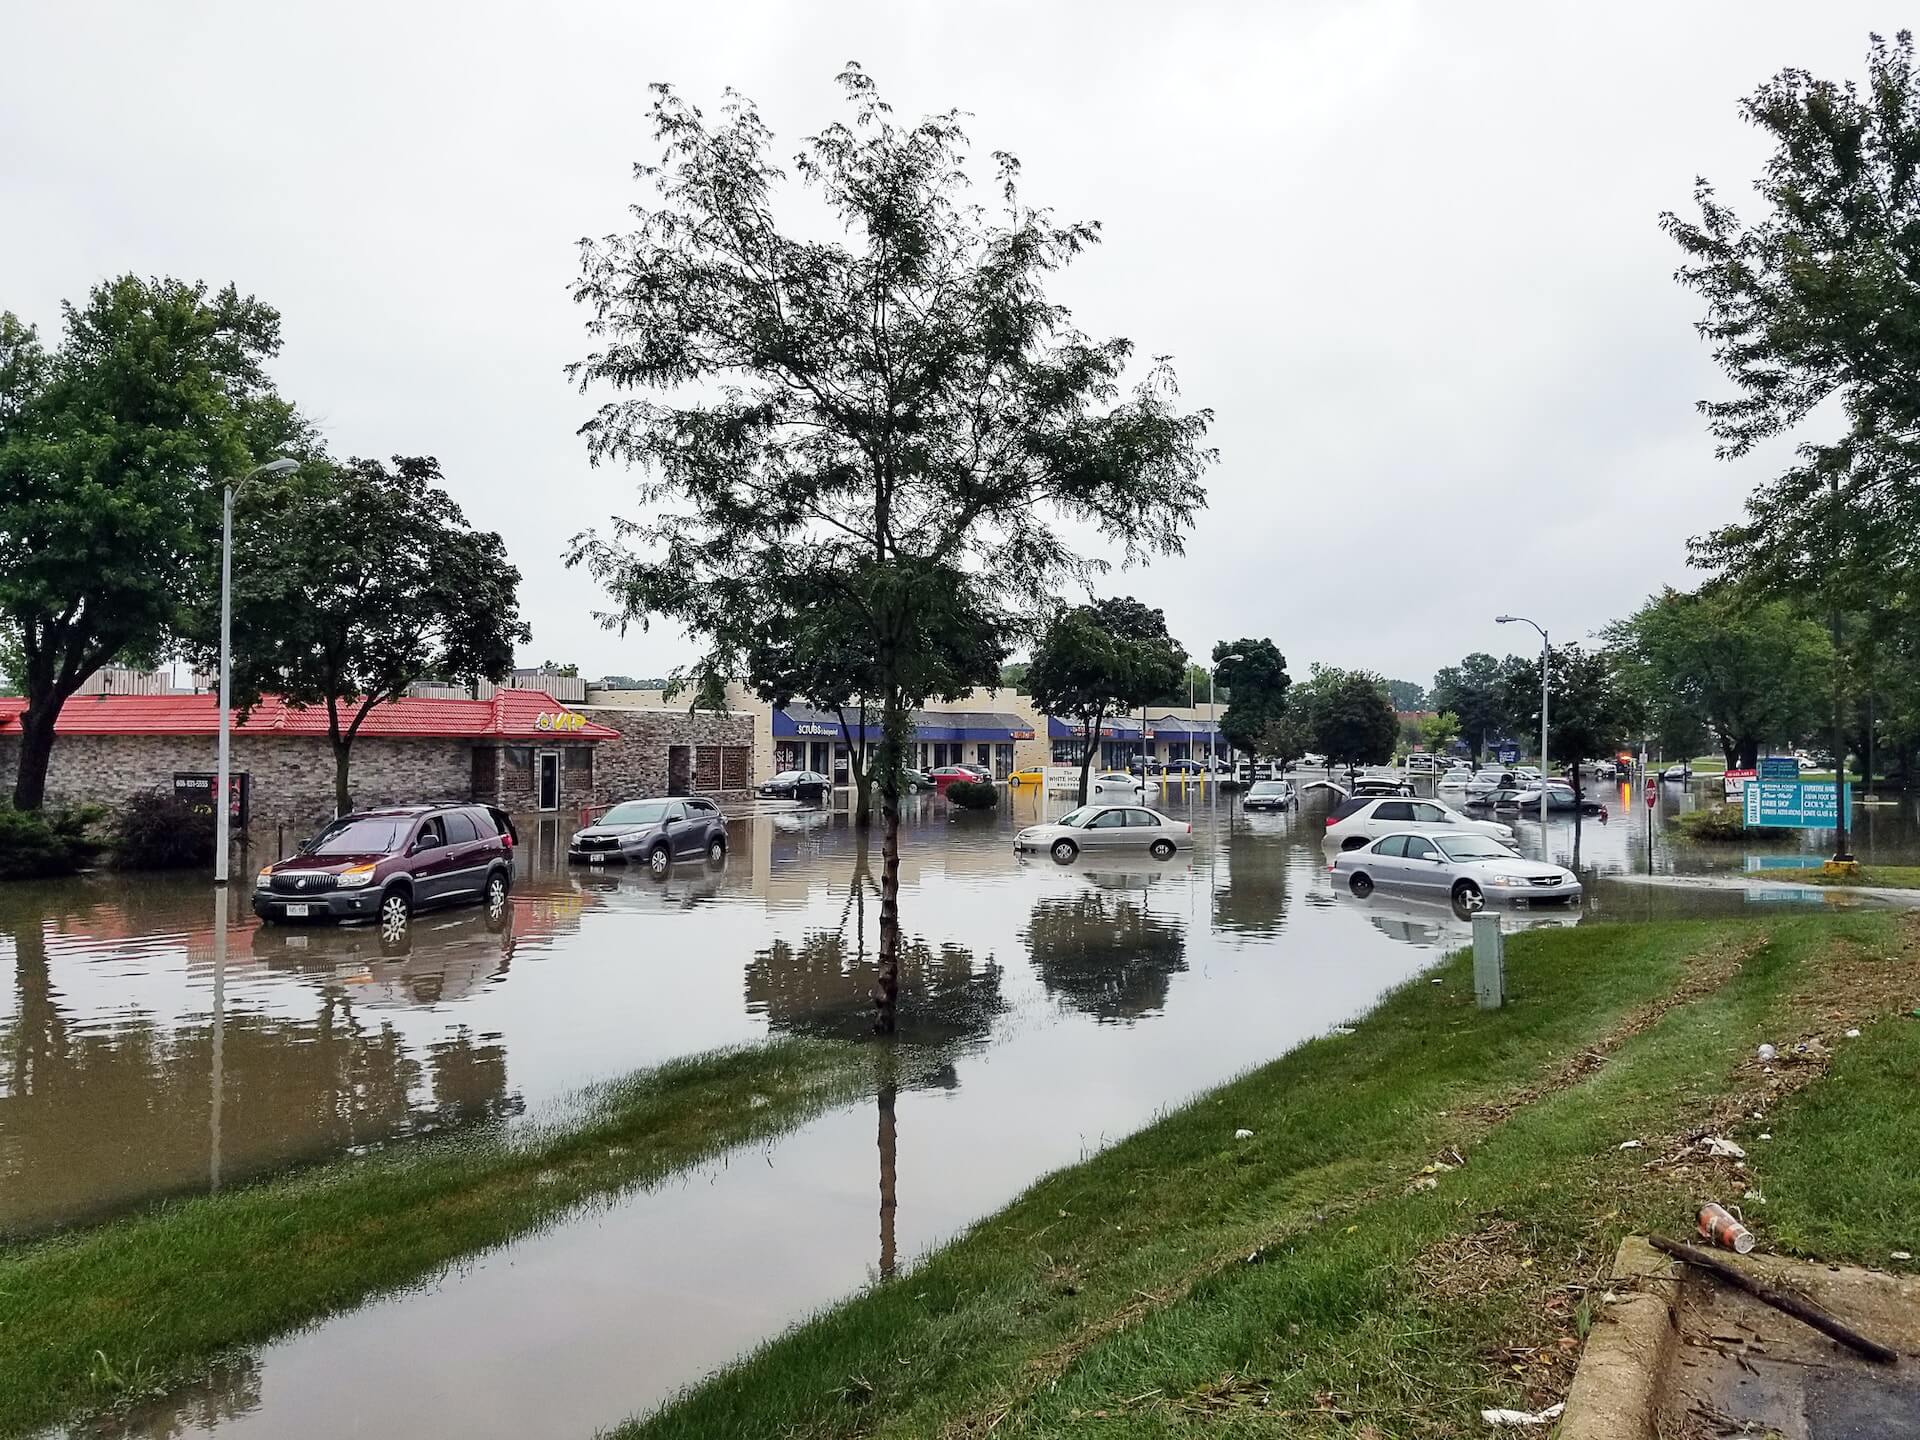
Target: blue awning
803, 722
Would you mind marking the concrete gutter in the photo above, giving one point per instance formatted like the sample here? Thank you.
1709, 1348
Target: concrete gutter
1878, 894
1627, 1350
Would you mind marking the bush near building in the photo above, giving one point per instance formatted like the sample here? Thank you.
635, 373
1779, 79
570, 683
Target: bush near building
1727, 822
35, 844
155, 830
973, 795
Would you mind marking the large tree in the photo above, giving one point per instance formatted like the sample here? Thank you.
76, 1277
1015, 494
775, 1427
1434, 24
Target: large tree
1813, 311
1591, 712
1407, 695
1255, 673
1473, 692
887, 399
113, 449
1749, 670
351, 582
1102, 659
1350, 716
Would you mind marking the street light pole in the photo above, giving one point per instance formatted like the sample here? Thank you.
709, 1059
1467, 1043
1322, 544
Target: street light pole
1546, 666
221, 803
1213, 719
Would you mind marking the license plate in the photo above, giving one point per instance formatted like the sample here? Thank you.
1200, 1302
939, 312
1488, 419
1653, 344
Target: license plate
297, 912
296, 942
596, 859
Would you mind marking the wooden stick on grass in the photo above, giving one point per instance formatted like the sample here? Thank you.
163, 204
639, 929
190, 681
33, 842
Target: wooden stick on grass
1802, 1310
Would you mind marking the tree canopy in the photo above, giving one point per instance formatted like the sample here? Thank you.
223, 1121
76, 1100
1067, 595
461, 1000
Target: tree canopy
1350, 716
1474, 692
1407, 695
1255, 674
885, 407
113, 450
1747, 670
1102, 659
352, 581
1592, 714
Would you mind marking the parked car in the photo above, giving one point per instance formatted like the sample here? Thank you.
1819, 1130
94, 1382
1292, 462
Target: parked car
1118, 782
915, 779
1681, 771
1527, 798
1271, 795
945, 775
1454, 780
386, 864
1379, 785
982, 773
1472, 871
657, 832
796, 785
1034, 775
1485, 783
1353, 822
1107, 828
1187, 768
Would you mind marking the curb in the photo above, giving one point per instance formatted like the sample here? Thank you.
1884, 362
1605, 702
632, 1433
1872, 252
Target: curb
1614, 1389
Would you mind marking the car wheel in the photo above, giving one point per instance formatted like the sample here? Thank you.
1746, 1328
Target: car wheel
658, 859
716, 849
1467, 897
1064, 851
396, 913
1162, 849
1360, 883
496, 894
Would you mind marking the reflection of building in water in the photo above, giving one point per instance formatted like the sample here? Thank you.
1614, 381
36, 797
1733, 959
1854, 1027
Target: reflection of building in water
1105, 953
1253, 901
100, 1113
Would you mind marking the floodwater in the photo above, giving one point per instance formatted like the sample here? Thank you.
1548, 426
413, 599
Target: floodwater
1048, 1010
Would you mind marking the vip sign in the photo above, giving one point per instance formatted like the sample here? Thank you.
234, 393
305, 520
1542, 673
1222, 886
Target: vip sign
559, 721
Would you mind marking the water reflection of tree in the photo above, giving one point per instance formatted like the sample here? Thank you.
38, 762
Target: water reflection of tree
225, 1393
1105, 953
823, 986
1253, 901
93, 1118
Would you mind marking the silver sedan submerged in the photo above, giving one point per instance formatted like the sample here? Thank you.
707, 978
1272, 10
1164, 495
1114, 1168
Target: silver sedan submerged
1106, 829
1472, 871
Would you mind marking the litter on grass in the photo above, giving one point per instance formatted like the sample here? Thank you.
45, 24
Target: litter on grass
1243, 1134
1725, 1149
1524, 1417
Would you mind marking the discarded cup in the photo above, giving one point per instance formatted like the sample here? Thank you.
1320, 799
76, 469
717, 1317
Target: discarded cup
1719, 1226
1767, 1052
1243, 1134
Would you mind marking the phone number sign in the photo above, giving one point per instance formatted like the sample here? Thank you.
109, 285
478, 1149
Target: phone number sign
1791, 803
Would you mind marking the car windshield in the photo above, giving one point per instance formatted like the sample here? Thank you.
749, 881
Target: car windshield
1077, 819
368, 835
786, 775
1269, 787
636, 812
1472, 847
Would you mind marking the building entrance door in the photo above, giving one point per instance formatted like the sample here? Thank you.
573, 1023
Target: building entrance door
549, 779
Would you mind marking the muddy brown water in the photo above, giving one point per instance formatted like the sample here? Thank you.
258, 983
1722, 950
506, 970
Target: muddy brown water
1051, 1010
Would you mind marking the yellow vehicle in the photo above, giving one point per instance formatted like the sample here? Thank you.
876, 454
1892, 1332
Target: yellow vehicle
1033, 775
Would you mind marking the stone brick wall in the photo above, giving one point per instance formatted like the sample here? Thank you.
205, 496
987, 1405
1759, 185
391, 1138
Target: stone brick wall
292, 776
517, 774
635, 765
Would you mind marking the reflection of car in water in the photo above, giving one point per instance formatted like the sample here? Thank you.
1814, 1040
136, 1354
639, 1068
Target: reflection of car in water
1438, 925
436, 957
680, 887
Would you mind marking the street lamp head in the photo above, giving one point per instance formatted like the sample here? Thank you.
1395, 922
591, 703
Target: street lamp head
1225, 658
282, 466
1505, 619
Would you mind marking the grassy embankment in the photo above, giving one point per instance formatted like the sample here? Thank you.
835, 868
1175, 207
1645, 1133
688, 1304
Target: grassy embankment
104, 1315
1328, 1276
1886, 877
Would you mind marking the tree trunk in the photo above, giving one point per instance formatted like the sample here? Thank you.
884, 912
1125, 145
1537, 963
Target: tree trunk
1749, 752
886, 984
1730, 749
1841, 850
36, 753
1092, 725
857, 768
342, 799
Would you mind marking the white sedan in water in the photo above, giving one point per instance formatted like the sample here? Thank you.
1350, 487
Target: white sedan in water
1107, 829
1470, 870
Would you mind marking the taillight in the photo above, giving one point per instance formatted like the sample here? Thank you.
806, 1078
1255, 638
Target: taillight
1189, 828
1331, 822
506, 840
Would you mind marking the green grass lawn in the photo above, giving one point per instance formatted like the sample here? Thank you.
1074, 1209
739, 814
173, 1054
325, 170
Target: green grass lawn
1887, 877
1417, 1225
108, 1314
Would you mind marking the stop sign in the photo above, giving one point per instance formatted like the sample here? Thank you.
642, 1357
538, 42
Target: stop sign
1652, 795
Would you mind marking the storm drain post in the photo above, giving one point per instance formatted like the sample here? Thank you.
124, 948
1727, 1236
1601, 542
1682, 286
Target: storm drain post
1489, 962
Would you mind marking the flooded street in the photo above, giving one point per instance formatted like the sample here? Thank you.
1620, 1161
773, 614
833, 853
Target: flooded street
1046, 1011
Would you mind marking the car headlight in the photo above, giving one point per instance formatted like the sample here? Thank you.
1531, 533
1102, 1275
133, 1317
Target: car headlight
354, 876
264, 880
1507, 877
576, 837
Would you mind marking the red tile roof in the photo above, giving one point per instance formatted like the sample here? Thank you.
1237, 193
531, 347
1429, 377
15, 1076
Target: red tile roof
509, 715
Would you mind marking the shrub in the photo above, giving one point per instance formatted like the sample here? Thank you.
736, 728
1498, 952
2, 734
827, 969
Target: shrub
973, 794
155, 830
1727, 822
38, 843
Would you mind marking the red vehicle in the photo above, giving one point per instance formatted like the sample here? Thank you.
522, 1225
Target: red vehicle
386, 864
947, 775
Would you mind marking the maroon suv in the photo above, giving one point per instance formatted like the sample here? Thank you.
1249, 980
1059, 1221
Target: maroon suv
386, 864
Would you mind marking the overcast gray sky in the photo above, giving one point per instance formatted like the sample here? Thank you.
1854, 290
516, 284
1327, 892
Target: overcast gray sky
1406, 252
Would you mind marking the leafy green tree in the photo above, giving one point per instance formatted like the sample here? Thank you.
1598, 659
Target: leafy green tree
1438, 732
1013, 677
1407, 695
1750, 671
1473, 692
353, 581
1350, 716
885, 402
1287, 735
1102, 659
113, 450
1190, 689
1255, 673
569, 671
1809, 313
1592, 713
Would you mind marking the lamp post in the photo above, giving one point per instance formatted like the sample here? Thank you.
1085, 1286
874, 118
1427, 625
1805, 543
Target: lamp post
1546, 665
221, 803
1213, 719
